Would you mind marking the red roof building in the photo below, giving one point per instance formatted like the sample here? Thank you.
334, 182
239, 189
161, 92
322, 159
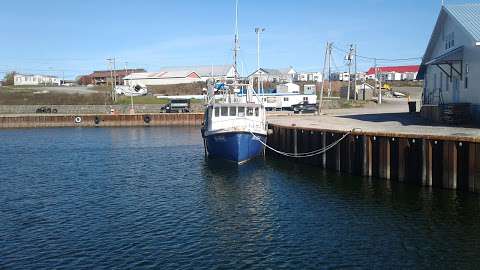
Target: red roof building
398, 73
398, 69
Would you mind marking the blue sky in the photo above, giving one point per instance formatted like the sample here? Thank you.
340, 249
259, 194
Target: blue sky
75, 37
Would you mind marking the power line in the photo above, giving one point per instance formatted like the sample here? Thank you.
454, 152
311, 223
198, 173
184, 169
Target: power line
380, 59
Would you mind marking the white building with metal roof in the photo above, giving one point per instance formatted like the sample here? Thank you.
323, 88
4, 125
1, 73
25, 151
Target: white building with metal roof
166, 77
180, 75
282, 75
451, 64
31, 79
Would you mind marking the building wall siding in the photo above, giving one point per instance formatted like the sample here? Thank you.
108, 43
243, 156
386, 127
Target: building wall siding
471, 57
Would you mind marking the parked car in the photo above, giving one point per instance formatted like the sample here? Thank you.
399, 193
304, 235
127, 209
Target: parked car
304, 108
46, 109
177, 106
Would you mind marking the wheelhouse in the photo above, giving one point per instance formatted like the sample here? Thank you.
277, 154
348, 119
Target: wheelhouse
230, 116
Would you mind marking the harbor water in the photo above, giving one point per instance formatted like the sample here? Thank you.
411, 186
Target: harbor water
146, 198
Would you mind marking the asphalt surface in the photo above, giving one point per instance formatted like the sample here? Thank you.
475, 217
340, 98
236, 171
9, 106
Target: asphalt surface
391, 118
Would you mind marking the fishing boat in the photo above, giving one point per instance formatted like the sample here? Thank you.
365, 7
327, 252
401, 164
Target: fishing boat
234, 128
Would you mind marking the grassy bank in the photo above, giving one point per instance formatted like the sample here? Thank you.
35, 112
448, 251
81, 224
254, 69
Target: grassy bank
27, 97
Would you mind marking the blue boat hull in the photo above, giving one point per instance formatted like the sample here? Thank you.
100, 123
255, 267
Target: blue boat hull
236, 147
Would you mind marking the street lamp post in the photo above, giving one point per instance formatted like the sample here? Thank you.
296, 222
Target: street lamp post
113, 77
259, 31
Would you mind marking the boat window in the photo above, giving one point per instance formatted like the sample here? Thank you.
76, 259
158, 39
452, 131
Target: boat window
233, 111
257, 112
217, 112
249, 111
224, 111
285, 99
241, 111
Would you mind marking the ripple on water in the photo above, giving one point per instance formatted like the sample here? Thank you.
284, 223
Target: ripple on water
146, 198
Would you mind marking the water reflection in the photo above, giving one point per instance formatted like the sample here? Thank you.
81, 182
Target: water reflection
127, 198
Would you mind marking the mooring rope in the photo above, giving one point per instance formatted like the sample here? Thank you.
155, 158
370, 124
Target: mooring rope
304, 155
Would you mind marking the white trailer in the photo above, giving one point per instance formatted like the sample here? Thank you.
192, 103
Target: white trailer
283, 101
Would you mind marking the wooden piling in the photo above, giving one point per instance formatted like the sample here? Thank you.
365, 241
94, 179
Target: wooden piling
462, 165
424, 160
427, 175
367, 156
384, 158
449, 177
324, 155
401, 166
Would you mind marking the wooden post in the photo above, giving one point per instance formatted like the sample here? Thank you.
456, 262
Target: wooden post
477, 170
295, 141
402, 148
472, 164
350, 140
367, 156
427, 173
324, 155
449, 165
384, 159
474, 167
338, 156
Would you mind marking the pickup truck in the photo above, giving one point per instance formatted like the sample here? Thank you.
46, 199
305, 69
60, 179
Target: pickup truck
304, 108
177, 106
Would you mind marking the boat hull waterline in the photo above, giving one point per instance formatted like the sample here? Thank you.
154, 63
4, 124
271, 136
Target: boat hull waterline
238, 147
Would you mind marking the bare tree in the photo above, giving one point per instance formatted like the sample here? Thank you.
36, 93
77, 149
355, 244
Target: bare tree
9, 78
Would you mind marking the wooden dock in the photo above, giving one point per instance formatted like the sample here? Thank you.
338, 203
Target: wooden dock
432, 159
89, 120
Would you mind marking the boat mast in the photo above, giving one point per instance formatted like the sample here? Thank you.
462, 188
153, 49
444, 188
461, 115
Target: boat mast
236, 49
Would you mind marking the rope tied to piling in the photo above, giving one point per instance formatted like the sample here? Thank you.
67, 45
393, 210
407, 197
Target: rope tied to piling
307, 154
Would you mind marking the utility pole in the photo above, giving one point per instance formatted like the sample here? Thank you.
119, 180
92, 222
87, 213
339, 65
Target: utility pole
355, 71
330, 69
348, 57
132, 109
327, 58
377, 78
259, 31
115, 71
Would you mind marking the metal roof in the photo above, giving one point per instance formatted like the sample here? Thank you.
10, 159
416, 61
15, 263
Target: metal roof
274, 72
203, 71
161, 75
468, 15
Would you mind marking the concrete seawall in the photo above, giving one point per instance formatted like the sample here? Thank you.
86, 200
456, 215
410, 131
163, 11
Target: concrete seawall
100, 120
451, 162
90, 109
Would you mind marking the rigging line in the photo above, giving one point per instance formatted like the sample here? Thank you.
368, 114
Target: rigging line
304, 155
381, 59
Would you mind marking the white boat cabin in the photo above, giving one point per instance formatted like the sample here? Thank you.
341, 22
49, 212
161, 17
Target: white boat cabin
229, 117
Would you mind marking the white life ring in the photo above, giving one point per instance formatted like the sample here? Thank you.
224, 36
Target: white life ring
78, 120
